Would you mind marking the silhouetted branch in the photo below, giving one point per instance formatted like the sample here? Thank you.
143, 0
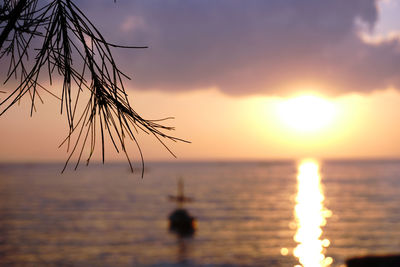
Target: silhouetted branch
67, 36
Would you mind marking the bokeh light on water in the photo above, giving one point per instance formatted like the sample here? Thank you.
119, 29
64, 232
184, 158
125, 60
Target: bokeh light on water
311, 216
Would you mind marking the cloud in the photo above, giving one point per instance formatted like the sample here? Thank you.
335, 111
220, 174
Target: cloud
132, 23
249, 47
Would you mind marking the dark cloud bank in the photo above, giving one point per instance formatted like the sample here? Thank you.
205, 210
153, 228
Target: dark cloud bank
248, 47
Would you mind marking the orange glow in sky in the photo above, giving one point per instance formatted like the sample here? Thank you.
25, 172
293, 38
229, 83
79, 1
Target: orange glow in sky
225, 128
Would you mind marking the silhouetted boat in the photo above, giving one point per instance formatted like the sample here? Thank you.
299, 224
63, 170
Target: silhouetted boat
180, 221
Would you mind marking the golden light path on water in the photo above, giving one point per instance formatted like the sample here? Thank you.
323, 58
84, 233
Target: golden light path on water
310, 215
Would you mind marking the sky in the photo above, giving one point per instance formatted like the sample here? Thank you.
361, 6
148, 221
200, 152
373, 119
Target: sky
245, 80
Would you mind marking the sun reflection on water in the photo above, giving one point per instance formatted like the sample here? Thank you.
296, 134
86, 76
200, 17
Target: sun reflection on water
311, 216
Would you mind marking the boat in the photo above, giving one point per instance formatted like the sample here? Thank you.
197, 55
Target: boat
180, 221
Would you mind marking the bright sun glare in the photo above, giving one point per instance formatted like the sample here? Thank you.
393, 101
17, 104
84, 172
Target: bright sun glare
306, 113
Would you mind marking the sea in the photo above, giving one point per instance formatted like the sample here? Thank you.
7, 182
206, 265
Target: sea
263, 213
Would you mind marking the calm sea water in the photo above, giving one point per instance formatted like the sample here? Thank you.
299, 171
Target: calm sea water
248, 214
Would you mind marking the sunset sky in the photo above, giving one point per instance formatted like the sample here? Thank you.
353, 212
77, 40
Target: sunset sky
245, 80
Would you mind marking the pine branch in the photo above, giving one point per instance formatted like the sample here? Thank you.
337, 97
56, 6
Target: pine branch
70, 39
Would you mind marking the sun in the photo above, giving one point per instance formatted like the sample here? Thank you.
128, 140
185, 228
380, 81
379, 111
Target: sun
306, 113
